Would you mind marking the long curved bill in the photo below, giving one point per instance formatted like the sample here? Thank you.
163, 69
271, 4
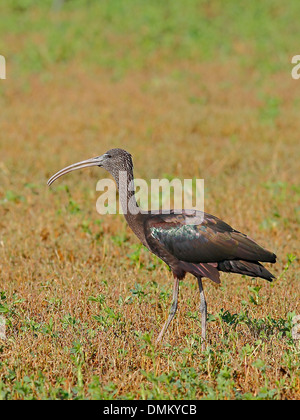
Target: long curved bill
96, 161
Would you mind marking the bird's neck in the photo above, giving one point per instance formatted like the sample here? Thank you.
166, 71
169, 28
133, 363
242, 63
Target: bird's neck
130, 208
125, 184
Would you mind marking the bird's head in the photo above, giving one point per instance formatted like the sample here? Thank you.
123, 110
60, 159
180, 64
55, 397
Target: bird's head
114, 160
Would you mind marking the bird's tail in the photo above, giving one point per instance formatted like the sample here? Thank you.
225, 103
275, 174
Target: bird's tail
252, 269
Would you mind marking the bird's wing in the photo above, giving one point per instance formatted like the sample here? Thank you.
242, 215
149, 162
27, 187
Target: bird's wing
202, 238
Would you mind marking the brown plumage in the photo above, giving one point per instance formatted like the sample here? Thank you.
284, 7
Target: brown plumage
189, 242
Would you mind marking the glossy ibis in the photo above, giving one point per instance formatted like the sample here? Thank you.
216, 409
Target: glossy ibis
180, 240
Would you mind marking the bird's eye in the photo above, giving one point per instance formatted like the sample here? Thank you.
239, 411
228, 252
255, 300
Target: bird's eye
108, 156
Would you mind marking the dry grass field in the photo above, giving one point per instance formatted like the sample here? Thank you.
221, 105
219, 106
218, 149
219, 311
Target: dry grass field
202, 90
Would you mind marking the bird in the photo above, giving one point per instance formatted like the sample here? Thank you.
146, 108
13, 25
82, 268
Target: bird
188, 241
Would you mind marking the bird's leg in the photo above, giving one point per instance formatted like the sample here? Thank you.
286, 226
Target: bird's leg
203, 310
172, 310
